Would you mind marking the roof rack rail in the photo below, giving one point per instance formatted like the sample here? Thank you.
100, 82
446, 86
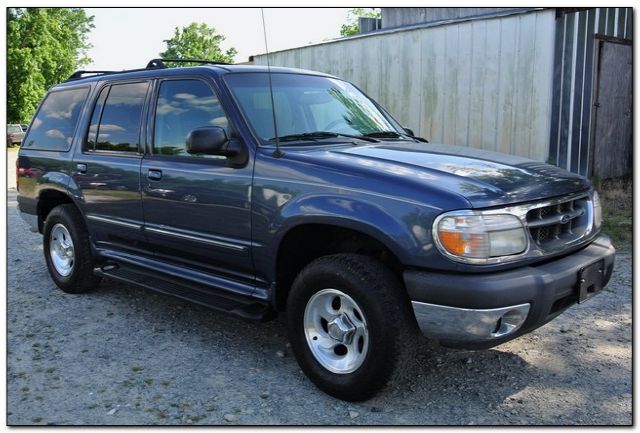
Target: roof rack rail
153, 64
160, 63
78, 74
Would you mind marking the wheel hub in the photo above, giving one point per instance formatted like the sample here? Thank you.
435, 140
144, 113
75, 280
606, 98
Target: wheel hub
341, 329
336, 331
61, 250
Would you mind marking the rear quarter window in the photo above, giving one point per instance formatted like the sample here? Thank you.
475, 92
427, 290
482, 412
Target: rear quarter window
56, 120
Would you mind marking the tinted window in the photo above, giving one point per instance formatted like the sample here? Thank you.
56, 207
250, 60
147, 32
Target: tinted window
95, 119
184, 105
118, 118
53, 126
305, 103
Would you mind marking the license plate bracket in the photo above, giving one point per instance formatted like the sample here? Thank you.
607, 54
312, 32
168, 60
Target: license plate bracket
590, 280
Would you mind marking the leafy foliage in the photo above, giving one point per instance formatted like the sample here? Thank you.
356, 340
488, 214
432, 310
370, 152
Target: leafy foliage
197, 41
44, 46
352, 27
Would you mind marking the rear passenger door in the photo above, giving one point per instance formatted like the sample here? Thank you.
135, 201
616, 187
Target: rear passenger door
107, 169
197, 208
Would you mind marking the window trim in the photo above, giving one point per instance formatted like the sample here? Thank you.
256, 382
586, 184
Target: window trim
140, 150
151, 123
75, 128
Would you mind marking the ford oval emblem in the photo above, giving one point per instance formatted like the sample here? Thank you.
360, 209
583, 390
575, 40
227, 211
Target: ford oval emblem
565, 219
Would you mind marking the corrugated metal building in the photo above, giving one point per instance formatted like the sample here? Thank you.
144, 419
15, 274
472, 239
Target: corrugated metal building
494, 78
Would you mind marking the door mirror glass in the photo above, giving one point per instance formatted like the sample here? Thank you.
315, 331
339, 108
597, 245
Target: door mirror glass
207, 141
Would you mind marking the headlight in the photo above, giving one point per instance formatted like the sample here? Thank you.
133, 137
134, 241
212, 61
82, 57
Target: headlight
476, 238
597, 210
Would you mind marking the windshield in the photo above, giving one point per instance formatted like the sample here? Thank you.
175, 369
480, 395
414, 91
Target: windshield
14, 128
306, 104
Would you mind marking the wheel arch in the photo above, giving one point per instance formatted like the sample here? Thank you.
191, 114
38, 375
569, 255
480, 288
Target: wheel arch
310, 238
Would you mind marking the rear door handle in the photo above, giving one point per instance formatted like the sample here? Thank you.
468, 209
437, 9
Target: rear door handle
82, 168
154, 174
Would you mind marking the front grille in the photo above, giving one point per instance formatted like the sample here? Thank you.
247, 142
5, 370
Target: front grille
554, 225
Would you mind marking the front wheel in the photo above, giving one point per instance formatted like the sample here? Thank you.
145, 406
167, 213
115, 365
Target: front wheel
348, 320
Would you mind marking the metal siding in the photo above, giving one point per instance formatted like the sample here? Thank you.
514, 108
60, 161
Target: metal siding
571, 123
587, 95
541, 91
567, 88
483, 83
478, 72
557, 74
576, 128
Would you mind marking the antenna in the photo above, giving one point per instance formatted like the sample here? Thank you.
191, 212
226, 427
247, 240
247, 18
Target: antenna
277, 153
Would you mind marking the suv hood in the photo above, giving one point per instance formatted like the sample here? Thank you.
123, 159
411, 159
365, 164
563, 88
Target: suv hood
484, 178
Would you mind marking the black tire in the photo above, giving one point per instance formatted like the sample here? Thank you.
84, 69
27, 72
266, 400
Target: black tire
385, 305
81, 278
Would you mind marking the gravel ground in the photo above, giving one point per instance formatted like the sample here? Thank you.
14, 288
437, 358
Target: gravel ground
122, 355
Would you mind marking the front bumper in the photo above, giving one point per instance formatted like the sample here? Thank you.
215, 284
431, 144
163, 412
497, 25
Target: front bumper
478, 311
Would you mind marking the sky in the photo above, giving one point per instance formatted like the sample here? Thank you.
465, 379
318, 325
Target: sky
127, 38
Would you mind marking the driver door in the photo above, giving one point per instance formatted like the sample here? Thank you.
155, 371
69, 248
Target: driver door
196, 207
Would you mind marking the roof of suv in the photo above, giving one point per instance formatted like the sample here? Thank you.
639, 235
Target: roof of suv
217, 70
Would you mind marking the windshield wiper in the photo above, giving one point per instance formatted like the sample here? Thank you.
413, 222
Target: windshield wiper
318, 135
394, 134
384, 134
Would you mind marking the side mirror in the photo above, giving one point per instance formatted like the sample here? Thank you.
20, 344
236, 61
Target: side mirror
207, 141
409, 132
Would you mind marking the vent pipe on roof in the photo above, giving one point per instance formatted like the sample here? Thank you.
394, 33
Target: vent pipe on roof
369, 24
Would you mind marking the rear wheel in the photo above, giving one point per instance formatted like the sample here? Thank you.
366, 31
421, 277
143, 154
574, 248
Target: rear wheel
67, 250
348, 323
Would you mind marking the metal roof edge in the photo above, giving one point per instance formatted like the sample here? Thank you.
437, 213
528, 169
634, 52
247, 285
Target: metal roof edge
490, 15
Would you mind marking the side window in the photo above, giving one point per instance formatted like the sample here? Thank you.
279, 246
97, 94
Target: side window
95, 119
115, 123
55, 123
184, 105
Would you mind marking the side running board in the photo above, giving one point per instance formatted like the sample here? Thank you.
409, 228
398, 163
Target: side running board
240, 306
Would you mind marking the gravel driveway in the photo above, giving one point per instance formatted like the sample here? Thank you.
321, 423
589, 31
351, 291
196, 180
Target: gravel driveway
122, 355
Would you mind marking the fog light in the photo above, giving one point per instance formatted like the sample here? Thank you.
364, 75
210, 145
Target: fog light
509, 322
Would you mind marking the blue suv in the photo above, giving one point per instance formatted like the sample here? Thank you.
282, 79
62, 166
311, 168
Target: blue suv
258, 191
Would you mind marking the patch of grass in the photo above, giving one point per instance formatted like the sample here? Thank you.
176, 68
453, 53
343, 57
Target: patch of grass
616, 196
50, 369
148, 381
136, 369
36, 419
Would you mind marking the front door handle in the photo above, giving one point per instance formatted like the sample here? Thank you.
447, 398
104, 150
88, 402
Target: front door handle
154, 174
82, 168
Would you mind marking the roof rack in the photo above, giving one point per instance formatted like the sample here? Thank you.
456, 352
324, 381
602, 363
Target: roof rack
160, 63
79, 74
153, 64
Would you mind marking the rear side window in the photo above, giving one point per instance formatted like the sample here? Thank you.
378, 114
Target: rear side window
116, 118
55, 122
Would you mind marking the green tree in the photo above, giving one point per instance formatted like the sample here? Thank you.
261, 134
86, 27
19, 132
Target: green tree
44, 46
197, 41
352, 27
